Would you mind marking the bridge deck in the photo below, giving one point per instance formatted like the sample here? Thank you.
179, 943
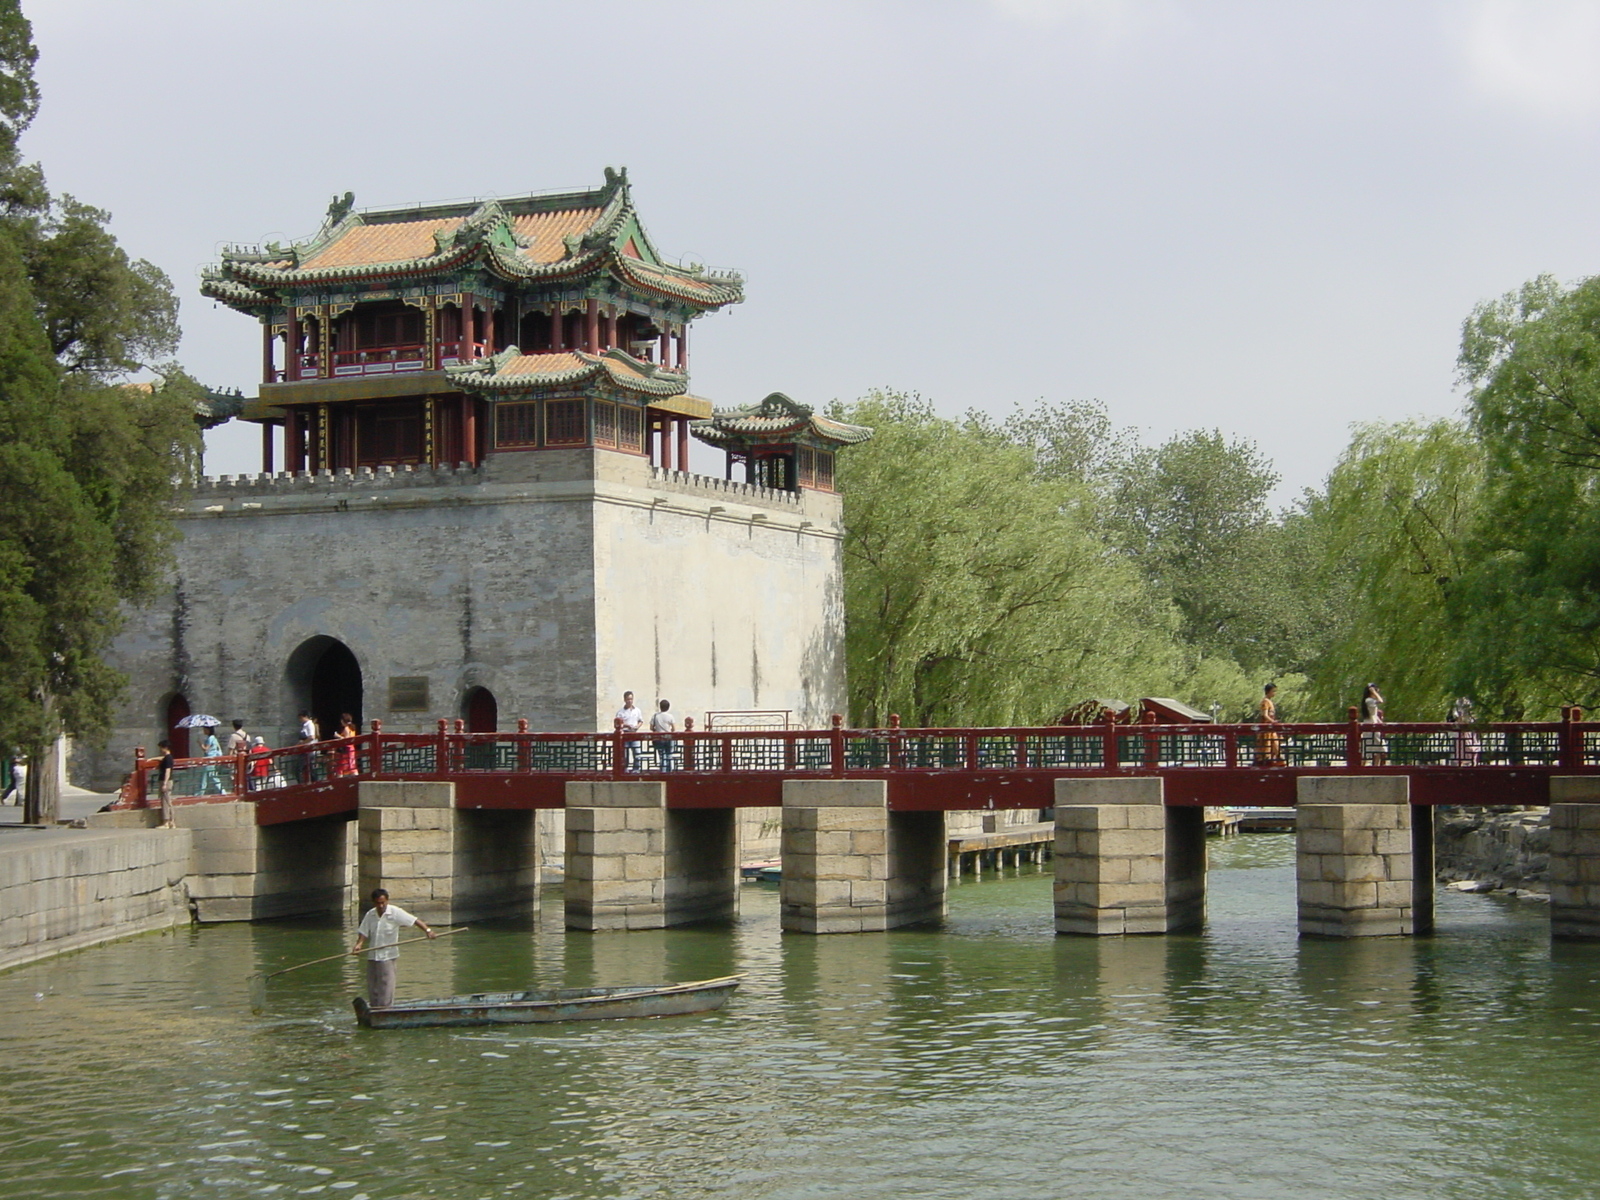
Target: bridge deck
926, 769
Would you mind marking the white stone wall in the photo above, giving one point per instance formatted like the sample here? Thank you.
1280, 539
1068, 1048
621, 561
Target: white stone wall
556, 579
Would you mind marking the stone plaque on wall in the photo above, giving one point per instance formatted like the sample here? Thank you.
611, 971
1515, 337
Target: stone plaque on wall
408, 693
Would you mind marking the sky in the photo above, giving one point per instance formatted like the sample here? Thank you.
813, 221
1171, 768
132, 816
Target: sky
1265, 218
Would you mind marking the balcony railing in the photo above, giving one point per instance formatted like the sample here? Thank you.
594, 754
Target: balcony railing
378, 360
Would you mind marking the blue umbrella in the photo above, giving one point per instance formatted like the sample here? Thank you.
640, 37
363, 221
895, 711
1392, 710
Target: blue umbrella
199, 721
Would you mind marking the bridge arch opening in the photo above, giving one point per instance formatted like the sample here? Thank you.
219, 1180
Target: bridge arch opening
480, 710
175, 710
325, 679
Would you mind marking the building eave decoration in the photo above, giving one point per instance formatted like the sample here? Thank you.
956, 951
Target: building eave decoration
484, 236
512, 371
776, 419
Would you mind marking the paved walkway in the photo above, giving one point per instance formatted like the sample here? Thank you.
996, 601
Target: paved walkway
75, 804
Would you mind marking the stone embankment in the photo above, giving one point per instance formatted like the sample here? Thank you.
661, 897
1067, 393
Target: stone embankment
63, 889
1489, 850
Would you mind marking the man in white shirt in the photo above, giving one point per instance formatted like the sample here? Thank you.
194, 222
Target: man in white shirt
663, 724
381, 926
632, 722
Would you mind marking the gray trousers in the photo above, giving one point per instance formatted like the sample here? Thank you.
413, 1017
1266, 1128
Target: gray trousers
380, 982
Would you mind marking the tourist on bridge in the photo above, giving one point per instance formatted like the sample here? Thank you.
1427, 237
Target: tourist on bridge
631, 720
260, 764
344, 758
164, 770
238, 740
1374, 746
211, 779
1270, 749
1469, 746
308, 735
662, 722
381, 926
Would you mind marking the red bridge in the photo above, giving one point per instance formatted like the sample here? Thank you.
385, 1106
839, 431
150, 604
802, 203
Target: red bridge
925, 770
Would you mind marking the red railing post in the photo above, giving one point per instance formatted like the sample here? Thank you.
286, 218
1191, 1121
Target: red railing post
140, 791
1152, 756
688, 744
1108, 750
241, 784
896, 758
1570, 753
726, 752
441, 754
619, 754
1352, 739
836, 747
375, 749
524, 747
971, 741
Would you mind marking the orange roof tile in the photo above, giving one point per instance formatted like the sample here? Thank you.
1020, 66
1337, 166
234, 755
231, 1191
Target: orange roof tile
547, 229
384, 242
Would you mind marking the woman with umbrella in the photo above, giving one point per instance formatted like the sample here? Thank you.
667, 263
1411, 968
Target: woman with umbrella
210, 784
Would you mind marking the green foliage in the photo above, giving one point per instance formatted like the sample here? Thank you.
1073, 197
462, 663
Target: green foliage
1399, 516
977, 592
1532, 600
89, 464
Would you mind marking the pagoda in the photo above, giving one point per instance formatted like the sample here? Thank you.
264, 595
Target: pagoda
440, 334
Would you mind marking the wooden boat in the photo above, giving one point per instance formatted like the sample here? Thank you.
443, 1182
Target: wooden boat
553, 1004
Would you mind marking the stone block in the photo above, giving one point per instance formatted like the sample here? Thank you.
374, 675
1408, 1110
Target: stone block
835, 793
1574, 789
1141, 790
397, 794
1131, 843
222, 815
1362, 789
616, 794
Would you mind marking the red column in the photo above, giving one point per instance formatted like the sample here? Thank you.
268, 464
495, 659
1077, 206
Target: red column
649, 438
666, 345
555, 326
268, 371
469, 314
266, 447
683, 348
591, 325
488, 328
608, 330
293, 446
683, 443
291, 351
666, 443
469, 430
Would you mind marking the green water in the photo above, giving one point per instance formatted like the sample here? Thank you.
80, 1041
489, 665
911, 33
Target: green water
990, 1059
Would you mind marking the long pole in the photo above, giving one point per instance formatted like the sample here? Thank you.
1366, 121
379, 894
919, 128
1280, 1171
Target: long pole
364, 950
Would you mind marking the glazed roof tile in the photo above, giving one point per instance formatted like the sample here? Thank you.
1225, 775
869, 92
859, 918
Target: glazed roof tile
775, 419
557, 238
513, 371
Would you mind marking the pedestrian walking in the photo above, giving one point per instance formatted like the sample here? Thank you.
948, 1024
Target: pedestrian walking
1374, 746
238, 740
211, 779
662, 723
381, 927
1270, 751
17, 783
260, 764
304, 765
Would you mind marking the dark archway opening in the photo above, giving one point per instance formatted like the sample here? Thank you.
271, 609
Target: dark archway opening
178, 739
325, 678
481, 711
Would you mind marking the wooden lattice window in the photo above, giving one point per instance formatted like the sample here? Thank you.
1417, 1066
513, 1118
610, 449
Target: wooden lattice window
630, 428
516, 424
564, 423
806, 466
824, 471
605, 423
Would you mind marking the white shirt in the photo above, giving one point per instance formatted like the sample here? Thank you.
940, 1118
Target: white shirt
384, 931
238, 742
632, 719
308, 730
662, 722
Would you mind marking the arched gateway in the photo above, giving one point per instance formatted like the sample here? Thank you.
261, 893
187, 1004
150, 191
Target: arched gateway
324, 678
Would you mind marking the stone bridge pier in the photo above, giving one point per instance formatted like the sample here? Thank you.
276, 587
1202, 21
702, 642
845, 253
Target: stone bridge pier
1363, 857
241, 871
1575, 858
852, 866
442, 863
1124, 862
633, 863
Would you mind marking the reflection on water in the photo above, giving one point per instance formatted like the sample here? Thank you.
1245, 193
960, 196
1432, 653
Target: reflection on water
990, 1058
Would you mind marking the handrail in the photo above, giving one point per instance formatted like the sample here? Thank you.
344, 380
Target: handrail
837, 752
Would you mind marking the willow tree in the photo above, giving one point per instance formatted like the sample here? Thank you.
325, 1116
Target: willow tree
1400, 516
1532, 362
977, 592
89, 461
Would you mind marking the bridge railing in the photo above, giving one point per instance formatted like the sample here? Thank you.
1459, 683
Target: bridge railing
839, 753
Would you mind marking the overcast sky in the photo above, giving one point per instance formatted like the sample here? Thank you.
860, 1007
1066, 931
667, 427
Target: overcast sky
1268, 218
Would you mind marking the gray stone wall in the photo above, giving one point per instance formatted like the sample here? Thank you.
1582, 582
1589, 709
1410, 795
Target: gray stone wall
68, 890
556, 579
